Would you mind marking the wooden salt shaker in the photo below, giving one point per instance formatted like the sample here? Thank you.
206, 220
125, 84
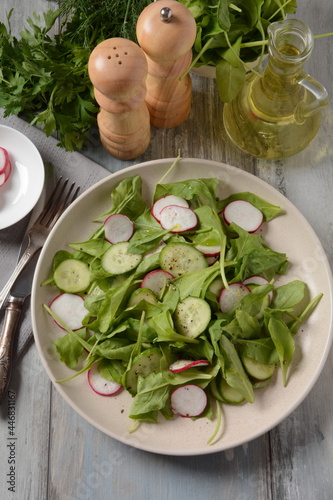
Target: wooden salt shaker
118, 68
166, 31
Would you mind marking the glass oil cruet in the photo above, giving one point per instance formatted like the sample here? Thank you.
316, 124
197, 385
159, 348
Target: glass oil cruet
278, 112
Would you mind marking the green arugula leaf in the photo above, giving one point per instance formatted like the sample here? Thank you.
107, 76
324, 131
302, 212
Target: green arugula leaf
111, 369
69, 348
196, 284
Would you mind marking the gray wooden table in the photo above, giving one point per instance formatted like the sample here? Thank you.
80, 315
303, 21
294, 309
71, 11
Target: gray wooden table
59, 456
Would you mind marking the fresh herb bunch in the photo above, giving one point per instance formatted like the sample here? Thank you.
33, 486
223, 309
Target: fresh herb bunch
44, 78
231, 34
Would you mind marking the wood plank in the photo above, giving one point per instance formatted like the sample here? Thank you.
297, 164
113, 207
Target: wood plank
100, 465
301, 446
26, 448
30, 386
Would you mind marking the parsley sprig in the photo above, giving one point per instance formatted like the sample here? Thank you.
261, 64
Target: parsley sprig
44, 77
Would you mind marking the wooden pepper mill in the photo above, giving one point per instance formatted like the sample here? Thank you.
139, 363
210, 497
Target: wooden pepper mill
118, 69
166, 31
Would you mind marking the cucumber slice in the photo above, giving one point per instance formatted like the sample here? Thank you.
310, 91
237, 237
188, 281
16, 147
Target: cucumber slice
229, 394
181, 258
145, 363
72, 276
257, 370
192, 316
142, 294
118, 260
224, 393
215, 392
216, 286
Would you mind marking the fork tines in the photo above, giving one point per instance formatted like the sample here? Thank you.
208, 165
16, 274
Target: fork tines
58, 201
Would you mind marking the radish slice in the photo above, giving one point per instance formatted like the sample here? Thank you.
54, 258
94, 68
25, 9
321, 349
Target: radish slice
101, 385
178, 219
211, 260
118, 228
4, 176
209, 251
184, 364
170, 199
4, 160
229, 298
156, 280
244, 214
69, 307
188, 401
257, 280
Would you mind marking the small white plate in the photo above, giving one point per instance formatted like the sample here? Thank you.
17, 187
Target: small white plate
22, 190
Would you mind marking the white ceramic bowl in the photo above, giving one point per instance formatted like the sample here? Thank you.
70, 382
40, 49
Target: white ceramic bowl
289, 233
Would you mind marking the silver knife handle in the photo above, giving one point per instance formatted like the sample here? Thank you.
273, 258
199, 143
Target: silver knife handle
24, 260
12, 315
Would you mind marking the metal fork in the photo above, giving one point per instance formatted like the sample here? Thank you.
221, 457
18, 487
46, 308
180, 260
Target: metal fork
58, 201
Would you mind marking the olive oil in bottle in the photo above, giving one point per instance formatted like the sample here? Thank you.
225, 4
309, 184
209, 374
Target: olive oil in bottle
277, 113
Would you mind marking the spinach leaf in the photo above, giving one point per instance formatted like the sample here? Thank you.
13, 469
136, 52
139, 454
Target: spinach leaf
153, 393
269, 211
211, 233
210, 227
148, 233
244, 326
305, 313
261, 349
126, 198
162, 324
114, 348
94, 247
287, 296
253, 256
229, 79
223, 15
153, 390
198, 191
233, 370
109, 304
284, 344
